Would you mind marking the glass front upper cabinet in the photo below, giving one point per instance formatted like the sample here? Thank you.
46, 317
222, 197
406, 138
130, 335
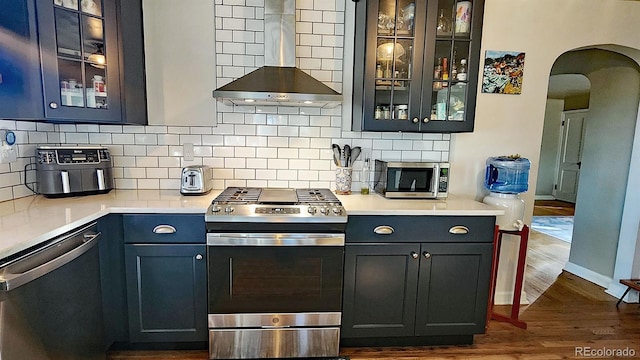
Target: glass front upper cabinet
79, 59
416, 65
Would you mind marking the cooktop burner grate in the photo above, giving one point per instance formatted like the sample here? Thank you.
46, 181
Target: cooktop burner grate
237, 195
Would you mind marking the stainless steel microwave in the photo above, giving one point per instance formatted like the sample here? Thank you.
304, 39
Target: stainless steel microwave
411, 179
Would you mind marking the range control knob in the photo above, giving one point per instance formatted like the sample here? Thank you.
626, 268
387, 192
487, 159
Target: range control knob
324, 210
216, 208
228, 209
312, 210
337, 210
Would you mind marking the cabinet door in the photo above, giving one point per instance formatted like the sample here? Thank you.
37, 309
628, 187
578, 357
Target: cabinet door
452, 58
379, 296
20, 90
166, 292
453, 289
389, 42
79, 60
416, 65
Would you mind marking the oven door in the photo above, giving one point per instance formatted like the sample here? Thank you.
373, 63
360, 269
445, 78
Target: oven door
274, 273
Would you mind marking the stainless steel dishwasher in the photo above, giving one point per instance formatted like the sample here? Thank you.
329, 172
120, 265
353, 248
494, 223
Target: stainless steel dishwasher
50, 300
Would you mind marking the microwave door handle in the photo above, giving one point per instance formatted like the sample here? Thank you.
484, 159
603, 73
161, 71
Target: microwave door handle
436, 180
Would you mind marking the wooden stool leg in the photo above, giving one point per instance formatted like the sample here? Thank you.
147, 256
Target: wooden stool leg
494, 273
517, 291
623, 295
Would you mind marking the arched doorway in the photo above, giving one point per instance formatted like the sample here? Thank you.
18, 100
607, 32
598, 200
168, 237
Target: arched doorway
603, 216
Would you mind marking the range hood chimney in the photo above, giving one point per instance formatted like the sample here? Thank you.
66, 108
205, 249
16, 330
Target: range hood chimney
279, 82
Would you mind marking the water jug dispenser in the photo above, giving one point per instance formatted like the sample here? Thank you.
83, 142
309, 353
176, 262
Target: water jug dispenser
507, 174
505, 178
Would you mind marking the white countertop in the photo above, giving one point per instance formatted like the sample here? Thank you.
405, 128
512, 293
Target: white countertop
29, 221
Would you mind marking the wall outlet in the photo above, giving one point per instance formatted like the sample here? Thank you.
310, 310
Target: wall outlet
187, 151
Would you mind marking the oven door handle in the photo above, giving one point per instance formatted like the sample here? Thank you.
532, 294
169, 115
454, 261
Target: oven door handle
270, 239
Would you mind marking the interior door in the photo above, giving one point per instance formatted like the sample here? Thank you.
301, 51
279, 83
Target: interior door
568, 173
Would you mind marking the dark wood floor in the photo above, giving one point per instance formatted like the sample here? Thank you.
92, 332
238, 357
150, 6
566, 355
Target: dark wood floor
553, 208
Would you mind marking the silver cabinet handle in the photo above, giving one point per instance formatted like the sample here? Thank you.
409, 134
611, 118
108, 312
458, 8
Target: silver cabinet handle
164, 229
414, 255
459, 230
427, 255
383, 230
198, 257
47, 260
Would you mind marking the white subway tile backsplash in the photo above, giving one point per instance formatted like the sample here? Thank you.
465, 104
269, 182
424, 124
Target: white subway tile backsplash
278, 142
325, 4
310, 40
150, 184
304, 4
250, 146
77, 138
246, 174
135, 150
100, 138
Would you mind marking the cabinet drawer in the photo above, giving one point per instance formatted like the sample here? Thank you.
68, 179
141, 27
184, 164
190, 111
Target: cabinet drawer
164, 228
420, 228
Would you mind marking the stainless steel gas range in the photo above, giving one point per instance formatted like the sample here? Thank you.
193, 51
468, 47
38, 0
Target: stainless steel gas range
275, 259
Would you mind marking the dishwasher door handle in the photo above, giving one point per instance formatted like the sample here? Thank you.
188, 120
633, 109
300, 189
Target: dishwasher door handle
38, 263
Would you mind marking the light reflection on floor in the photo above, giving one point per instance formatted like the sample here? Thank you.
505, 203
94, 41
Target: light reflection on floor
560, 227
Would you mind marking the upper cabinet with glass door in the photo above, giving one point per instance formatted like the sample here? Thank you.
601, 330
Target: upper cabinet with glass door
416, 65
79, 59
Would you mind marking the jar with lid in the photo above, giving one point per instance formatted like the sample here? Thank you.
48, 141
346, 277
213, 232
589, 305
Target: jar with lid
98, 84
386, 113
402, 112
378, 113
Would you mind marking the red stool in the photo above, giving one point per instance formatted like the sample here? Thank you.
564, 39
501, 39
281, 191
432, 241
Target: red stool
517, 291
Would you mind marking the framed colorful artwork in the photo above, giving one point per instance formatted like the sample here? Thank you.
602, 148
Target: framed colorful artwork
503, 72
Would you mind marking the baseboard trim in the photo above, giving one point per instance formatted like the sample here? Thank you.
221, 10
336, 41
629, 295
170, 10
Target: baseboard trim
588, 275
544, 197
506, 298
617, 289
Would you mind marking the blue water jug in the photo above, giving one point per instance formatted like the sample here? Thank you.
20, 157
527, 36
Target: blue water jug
507, 175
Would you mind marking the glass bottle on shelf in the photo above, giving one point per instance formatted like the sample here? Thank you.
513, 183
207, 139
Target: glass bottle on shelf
454, 67
379, 71
364, 177
462, 72
437, 74
444, 24
445, 72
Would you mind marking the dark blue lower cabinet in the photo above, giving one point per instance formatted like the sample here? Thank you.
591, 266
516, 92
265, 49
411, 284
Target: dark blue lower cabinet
415, 293
453, 289
166, 292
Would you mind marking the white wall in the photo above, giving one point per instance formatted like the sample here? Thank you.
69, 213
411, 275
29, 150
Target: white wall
544, 30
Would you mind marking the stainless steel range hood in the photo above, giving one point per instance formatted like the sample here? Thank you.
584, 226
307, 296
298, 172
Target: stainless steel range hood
279, 82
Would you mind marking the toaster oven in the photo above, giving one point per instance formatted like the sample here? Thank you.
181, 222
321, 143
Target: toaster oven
411, 179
